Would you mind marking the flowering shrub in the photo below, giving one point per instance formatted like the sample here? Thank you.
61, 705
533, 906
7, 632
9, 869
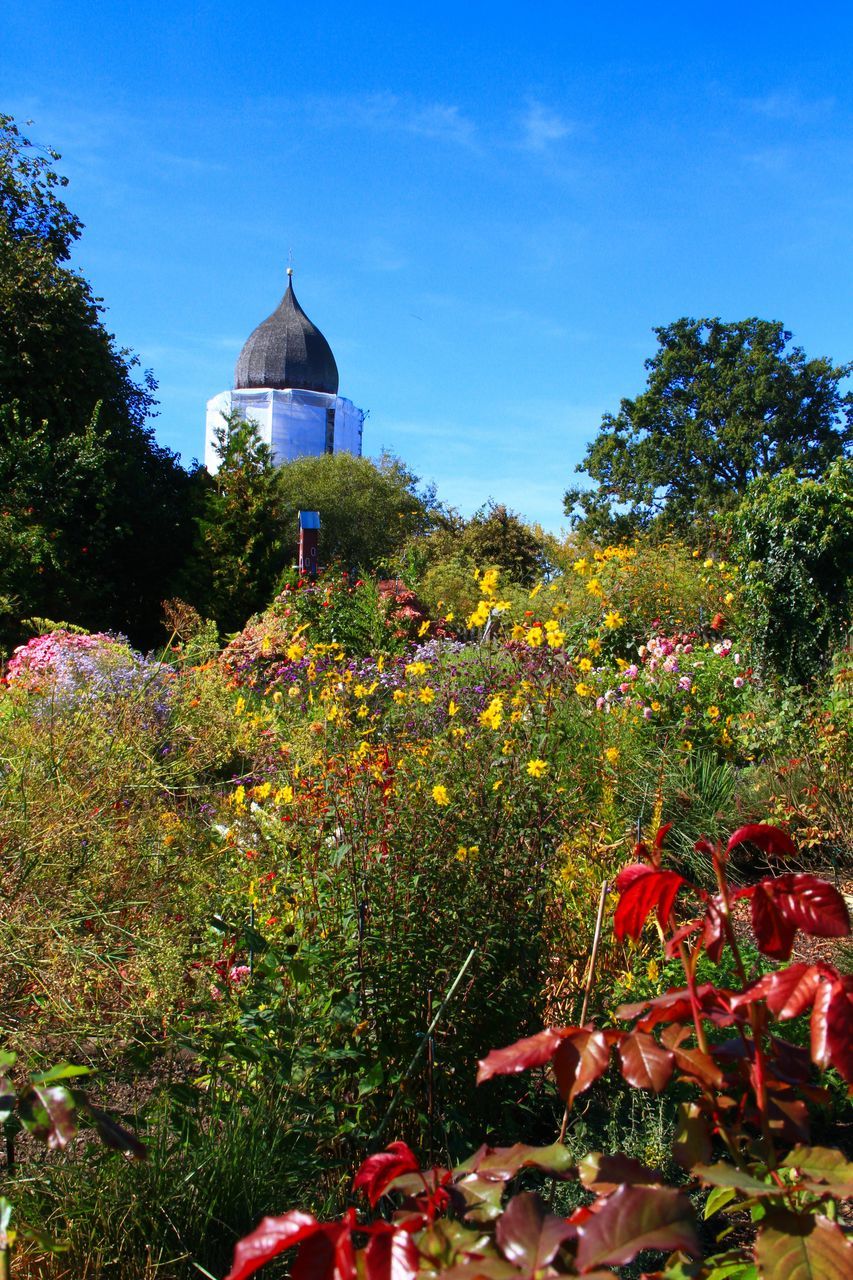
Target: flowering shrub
71, 669
745, 1092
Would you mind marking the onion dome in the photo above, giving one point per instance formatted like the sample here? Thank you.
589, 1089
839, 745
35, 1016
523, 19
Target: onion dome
287, 350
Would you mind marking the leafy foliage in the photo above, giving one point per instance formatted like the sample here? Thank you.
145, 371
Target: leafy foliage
794, 539
724, 404
89, 497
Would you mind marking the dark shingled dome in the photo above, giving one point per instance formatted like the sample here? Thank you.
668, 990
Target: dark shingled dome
287, 350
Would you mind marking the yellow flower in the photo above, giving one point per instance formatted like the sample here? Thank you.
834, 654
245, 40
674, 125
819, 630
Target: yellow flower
295, 651
480, 616
452, 707
239, 797
439, 795
496, 786
239, 706
424, 628
427, 695
493, 715
293, 691
284, 795
653, 971
611, 755
594, 587
536, 590
535, 636
583, 690
261, 792
556, 638
489, 582
655, 706
361, 691
594, 645
448, 617
613, 620
713, 713
536, 767
580, 566
585, 665
415, 668
728, 597
709, 563
399, 695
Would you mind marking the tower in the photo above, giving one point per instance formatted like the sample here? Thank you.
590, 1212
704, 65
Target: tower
286, 383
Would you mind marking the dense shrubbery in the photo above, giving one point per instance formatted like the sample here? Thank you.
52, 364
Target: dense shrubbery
242, 886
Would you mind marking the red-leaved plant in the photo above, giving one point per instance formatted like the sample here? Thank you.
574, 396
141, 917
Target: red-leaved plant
748, 1107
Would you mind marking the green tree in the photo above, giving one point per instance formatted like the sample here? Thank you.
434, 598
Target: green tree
85, 483
368, 510
724, 404
242, 542
794, 539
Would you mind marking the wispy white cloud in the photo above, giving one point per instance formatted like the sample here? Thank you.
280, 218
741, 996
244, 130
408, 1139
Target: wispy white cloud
790, 107
542, 126
391, 113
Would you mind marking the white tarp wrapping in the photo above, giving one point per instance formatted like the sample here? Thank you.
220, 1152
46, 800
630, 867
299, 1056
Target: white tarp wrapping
293, 423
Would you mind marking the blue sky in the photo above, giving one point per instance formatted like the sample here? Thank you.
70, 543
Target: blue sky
489, 205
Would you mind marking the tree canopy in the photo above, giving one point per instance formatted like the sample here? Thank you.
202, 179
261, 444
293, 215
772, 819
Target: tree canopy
723, 405
85, 484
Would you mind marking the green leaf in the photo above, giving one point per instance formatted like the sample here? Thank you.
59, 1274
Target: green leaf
63, 1071
726, 1175
718, 1199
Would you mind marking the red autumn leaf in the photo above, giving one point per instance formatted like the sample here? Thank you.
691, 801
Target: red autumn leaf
268, 1240
579, 1061
645, 1065
788, 992
767, 838
327, 1254
532, 1051
832, 1026
692, 1144
663, 832
700, 1066
786, 903
773, 932
379, 1171
653, 892
391, 1255
802, 1245
633, 1219
713, 931
629, 873
674, 1006
673, 943
604, 1173
527, 1236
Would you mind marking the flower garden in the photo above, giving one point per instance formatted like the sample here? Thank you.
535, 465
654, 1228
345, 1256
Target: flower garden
273, 903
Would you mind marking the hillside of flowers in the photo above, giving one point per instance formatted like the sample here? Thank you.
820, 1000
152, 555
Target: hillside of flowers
273, 899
